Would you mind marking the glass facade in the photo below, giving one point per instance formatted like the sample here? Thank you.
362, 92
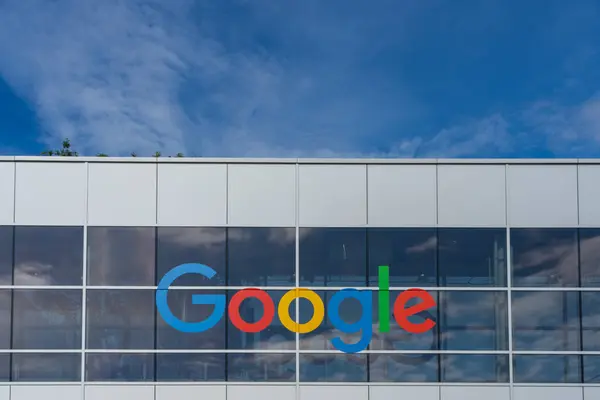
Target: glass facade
73, 295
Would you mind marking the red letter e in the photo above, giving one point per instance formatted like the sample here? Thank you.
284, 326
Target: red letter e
401, 313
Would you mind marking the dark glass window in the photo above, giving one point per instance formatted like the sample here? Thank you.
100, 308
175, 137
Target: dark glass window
46, 367
473, 320
589, 255
190, 367
274, 337
176, 246
333, 257
123, 256
590, 312
544, 257
403, 367
4, 367
5, 318
48, 255
333, 367
271, 367
6, 255
47, 319
474, 368
472, 257
546, 321
120, 319
409, 253
180, 304
261, 256
591, 369
115, 367
547, 369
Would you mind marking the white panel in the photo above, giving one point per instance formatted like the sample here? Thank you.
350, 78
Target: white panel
475, 393
119, 392
334, 392
405, 392
46, 392
256, 392
589, 195
333, 195
122, 194
591, 393
262, 195
472, 195
50, 193
7, 200
192, 194
4, 392
190, 392
548, 393
402, 195
542, 195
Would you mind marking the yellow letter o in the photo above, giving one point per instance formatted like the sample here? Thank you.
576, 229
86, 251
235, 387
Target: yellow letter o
284, 307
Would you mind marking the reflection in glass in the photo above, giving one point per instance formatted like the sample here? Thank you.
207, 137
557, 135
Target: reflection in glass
474, 368
472, 256
589, 256
115, 367
410, 254
546, 321
4, 367
544, 257
176, 246
47, 319
121, 256
246, 367
395, 368
5, 317
180, 304
473, 320
547, 369
261, 256
120, 319
49, 255
590, 323
188, 367
48, 367
6, 255
333, 367
274, 337
591, 369
333, 257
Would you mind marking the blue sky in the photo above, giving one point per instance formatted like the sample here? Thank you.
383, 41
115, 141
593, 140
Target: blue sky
355, 78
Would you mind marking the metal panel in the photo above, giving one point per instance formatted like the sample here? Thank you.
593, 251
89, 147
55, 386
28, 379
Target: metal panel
589, 393
192, 194
50, 193
542, 195
46, 392
548, 393
474, 393
260, 392
401, 195
262, 195
333, 195
404, 392
191, 392
119, 392
122, 194
472, 195
4, 392
589, 195
334, 392
7, 200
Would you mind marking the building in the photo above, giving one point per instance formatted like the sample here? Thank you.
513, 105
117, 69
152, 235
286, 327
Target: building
84, 242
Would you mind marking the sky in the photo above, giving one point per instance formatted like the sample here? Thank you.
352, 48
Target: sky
310, 78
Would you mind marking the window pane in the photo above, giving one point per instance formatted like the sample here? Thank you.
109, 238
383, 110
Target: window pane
547, 369
589, 249
473, 320
333, 367
49, 367
190, 367
4, 367
176, 246
261, 368
544, 257
5, 316
6, 255
261, 256
274, 337
409, 253
403, 368
472, 257
121, 256
590, 312
591, 369
48, 255
47, 319
546, 321
474, 368
120, 319
180, 304
109, 367
333, 257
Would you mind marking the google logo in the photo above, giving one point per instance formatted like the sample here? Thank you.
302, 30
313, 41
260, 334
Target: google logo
401, 312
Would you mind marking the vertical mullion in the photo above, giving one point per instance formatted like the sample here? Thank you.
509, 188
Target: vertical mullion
509, 285
84, 284
297, 280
